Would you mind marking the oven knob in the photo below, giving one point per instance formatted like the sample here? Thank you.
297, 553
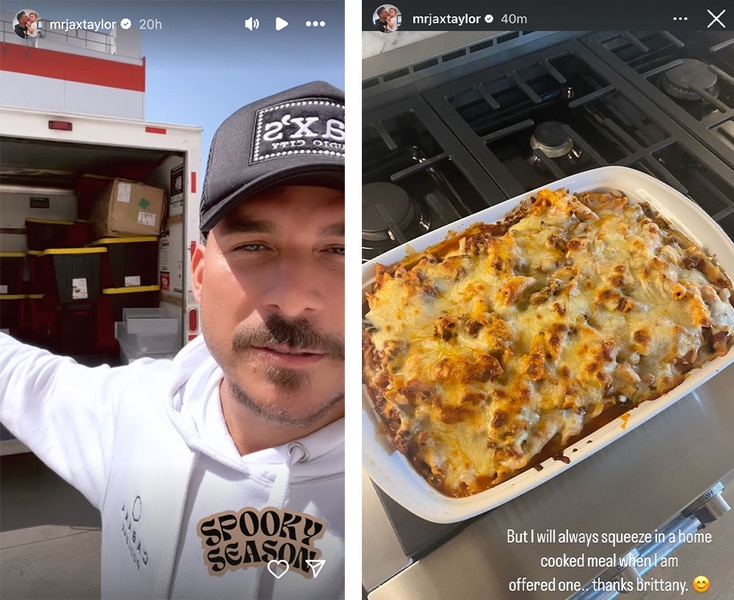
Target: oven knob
708, 507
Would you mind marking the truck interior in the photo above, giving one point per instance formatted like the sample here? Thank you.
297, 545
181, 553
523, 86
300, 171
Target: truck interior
50, 180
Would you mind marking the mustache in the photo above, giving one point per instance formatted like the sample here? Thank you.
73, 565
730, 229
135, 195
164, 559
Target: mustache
297, 334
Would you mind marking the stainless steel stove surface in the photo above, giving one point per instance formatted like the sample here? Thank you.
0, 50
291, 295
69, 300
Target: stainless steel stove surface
470, 126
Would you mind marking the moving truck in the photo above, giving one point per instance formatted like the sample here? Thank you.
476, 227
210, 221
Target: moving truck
78, 174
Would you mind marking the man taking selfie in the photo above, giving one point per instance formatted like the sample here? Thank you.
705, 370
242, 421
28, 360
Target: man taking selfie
220, 474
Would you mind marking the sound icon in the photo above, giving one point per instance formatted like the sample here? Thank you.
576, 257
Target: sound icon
251, 23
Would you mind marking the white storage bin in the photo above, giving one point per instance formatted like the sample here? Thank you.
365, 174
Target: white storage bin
130, 353
147, 313
144, 337
152, 332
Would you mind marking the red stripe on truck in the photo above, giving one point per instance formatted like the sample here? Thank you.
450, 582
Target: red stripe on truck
72, 67
161, 130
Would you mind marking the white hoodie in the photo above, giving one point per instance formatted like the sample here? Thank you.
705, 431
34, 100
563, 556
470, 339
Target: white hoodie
183, 514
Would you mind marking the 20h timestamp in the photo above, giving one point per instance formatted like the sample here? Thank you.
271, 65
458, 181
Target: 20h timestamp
147, 24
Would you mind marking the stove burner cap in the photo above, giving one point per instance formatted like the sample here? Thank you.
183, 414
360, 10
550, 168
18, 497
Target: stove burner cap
679, 81
551, 140
383, 202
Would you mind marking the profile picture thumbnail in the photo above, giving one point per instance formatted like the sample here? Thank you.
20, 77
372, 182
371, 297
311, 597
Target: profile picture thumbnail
25, 23
387, 18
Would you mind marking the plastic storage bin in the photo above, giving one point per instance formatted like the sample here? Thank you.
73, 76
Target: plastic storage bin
157, 337
35, 285
12, 309
129, 353
41, 322
128, 314
65, 328
133, 261
77, 329
42, 234
130, 297
12, 265
69, 274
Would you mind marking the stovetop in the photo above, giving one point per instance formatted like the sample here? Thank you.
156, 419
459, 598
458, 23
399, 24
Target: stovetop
408, 149
524, 118
690, 77
473, 132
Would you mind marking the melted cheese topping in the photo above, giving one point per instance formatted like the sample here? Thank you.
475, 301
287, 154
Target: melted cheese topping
505, 341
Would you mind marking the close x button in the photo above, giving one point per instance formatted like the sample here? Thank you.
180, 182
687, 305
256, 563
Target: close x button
716, 18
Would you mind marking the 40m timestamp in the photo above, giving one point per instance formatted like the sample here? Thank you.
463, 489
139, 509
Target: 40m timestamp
513, 19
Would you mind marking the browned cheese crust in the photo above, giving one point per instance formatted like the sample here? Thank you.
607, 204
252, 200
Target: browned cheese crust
508, 341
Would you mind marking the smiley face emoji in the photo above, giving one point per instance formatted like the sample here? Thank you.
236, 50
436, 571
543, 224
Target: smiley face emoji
701, 583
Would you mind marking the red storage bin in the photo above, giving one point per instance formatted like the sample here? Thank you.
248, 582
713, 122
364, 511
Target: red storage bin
133, 261
72, 329
70, 275
78, 331
11, 272
42, 234
35, 284
41, 321
12, 308
89, 188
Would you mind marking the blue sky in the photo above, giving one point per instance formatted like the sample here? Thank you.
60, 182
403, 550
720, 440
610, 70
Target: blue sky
204, 64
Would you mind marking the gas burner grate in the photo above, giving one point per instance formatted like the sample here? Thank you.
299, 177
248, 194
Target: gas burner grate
691, 81
416, 177
389, 213
498, 113
596, 117
689, 75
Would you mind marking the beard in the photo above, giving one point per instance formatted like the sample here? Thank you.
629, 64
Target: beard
283, 416
298, 335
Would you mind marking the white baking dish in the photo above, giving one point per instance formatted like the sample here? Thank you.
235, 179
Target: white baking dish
392, 472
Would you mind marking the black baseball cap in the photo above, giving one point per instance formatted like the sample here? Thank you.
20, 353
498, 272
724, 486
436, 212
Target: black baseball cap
295, 137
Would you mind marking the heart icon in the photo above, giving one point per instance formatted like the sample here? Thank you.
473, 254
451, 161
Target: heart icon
278, 568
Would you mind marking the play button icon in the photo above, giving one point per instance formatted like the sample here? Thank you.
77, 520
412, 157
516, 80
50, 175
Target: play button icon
280, 23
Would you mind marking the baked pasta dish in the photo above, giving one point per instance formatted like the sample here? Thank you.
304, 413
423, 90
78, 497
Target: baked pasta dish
502, 345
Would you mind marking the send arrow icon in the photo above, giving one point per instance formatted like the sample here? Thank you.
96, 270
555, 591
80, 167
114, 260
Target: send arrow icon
315, 566
280, 23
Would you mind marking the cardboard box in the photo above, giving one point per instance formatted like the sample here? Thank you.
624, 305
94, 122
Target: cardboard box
129, 208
